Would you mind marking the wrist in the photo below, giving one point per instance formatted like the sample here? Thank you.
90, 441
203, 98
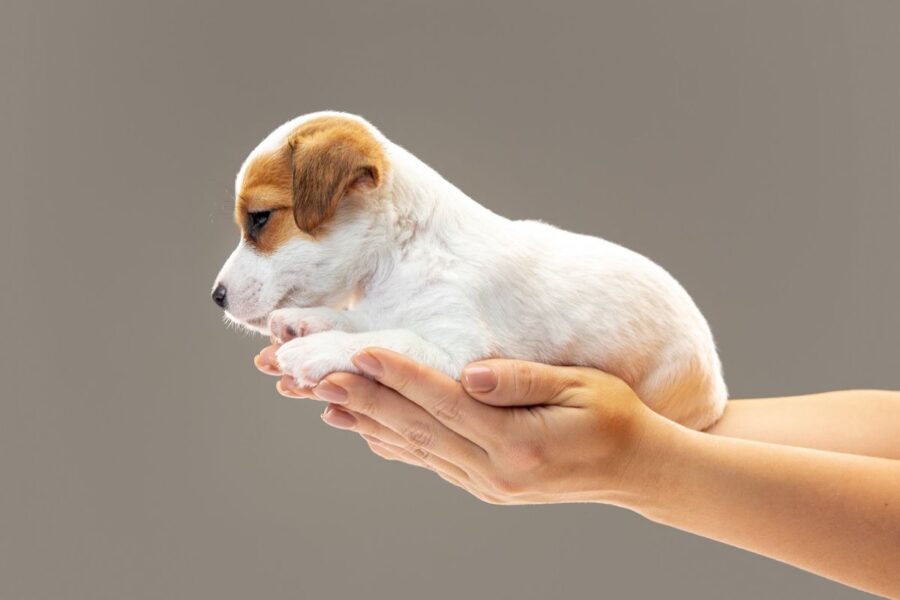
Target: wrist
645, 480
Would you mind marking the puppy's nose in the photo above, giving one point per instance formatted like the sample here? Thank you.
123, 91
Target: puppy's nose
218, 295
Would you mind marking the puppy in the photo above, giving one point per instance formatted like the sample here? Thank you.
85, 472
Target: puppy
349, 241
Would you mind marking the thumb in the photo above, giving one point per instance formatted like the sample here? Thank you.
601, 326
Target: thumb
516, 383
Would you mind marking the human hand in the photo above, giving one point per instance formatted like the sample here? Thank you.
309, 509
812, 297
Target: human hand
515, 433
511, 432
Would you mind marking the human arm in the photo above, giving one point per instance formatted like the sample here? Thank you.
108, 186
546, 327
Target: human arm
834, 514
865, 422
576, 435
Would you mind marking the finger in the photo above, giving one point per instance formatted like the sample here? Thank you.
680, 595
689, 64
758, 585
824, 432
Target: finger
287, 386
373, 431
389, 452
266, 362
466, 487
415, 458
438, 394
519, 383
369, 428
382, 404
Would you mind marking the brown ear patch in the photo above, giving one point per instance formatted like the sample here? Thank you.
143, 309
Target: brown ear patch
304, 180
331, 157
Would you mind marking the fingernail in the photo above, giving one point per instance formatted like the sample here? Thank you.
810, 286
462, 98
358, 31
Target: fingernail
367, 363
479, 379
336, 417
264, 366
329, 392
266, 358
287, 386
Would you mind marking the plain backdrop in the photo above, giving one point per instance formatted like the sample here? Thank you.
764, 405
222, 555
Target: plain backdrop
752, 148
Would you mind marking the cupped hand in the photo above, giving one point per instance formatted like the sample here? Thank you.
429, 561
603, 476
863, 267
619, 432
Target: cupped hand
511, 432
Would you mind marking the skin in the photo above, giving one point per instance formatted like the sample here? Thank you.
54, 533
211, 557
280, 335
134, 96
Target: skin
813, 481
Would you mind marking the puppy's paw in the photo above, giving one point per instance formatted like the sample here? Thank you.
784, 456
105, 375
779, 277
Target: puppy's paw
288, 323
309, 359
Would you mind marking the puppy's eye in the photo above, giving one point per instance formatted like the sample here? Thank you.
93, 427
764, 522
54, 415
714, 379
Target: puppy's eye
256, 221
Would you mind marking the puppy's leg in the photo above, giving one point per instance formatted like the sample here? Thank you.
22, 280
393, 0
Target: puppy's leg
689, 392
309, 359
289, 323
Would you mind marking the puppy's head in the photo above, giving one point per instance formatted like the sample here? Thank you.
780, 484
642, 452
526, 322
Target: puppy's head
305, 202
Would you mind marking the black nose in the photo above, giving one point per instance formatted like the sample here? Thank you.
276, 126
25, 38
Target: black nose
218, 295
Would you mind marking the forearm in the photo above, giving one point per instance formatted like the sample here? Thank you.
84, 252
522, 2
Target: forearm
834, 514
530, 433
865, 422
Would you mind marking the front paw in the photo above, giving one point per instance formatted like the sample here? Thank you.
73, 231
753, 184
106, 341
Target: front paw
288, 323
309, 359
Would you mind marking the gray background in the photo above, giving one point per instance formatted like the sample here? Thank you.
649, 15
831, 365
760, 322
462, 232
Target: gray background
751, 148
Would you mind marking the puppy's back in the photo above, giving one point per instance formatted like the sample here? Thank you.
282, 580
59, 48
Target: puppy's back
602, 305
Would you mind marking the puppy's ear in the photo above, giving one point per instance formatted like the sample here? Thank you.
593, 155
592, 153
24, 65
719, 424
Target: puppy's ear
330, 161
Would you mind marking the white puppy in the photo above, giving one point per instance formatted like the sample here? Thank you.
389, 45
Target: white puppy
350, 241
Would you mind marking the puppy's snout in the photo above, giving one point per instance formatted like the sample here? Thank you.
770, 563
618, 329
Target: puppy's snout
219, 296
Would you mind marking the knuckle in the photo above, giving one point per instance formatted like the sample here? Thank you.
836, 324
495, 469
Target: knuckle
419, 435
572, 377
448, 408
364, 403
402, 379
523, 381
420, 453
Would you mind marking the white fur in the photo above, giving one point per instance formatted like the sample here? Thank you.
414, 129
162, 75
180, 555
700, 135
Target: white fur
426, 271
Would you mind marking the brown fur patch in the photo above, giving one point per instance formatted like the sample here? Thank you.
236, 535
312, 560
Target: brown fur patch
303, 182
331, 157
